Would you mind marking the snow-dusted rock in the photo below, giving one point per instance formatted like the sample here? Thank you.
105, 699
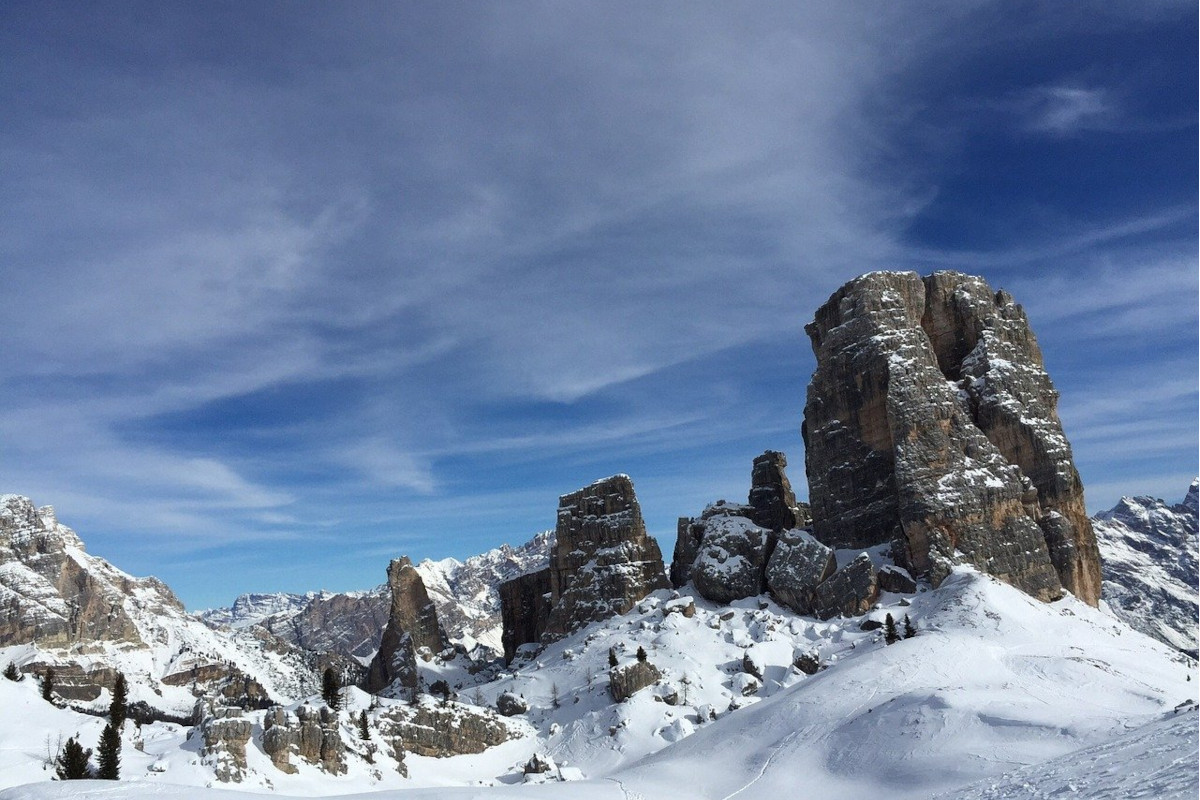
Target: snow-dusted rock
798, 565
412, 625
850, 591
931, 425
1149, 550
601, 564
732, 560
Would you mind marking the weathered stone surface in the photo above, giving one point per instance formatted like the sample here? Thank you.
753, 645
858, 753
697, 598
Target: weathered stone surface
896, 579
797, 566
51, 592
74, 682
725, 552
347, 624
808, 663
850, 591
412, 624
771, 495
931, 425
225, 735
603, 560
442, 731
310, 733
602, 563
524, 607
625, 680
510, 705
732, 560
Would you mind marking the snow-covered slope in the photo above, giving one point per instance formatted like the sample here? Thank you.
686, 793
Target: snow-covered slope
993, 682
69, 609
1149, 551
252, 609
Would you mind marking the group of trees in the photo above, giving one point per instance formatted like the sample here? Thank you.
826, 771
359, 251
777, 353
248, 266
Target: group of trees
74, 762
891, 635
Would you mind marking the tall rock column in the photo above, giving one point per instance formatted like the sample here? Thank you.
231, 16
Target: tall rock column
603, 560
906, 441
983, 341
602, 563
412, 624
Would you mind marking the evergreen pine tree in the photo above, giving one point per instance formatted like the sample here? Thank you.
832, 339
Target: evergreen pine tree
890, 635
331, 689
109, 754
641, 654
118, 709
364, 728
11, 672
554, 695
442, 688
72, 763
48, 685
612, 656
909, 629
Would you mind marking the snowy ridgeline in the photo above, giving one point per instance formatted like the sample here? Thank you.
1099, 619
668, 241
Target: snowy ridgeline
1149, 550
992, 683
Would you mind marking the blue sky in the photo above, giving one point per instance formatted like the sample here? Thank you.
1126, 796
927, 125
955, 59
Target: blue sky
289, 289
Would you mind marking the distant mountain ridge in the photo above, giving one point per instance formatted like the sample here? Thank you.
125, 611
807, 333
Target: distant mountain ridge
352, 623
1149, 550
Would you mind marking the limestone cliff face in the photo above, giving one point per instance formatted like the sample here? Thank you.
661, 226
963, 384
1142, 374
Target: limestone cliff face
931, 424
412, 625
603, 560
53, 593
602, 563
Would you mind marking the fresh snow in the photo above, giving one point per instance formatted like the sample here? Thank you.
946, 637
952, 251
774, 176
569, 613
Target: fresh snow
994, 683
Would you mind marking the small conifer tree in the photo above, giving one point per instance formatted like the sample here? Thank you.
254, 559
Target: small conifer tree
72, 763
612, 656
641, 655
910, 630
118, 709
364, 727
109, 754
48, 685
554, 695
12, 673
890, 635
442, 688
331, 689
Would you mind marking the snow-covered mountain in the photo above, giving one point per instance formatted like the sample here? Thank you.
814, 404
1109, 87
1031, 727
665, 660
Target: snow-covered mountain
351, 623
466, 593
75, 612
1150, 550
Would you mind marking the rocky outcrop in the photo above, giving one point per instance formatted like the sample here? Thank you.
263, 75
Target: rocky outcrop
348, 624
311, 734
525, 607
442, 731
225, 734
850, 591
726, 552
602, 563
732, 558
799, 564
53, 593
931, 425
412, 625
510, 704
771, 495
627, 679
1150, 550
